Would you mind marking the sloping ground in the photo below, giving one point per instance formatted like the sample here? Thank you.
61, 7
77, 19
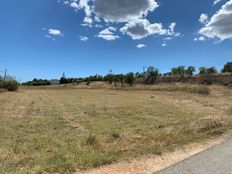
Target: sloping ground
61, 130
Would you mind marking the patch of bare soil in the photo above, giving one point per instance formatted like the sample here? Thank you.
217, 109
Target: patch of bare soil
153, 163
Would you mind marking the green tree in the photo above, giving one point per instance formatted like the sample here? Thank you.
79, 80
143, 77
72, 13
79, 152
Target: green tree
181, 71
130, 78
152, 74
115, 79
63, 80
227, 67
202, 70
109, 78
121, 78
190, 70
174, 71
212, 70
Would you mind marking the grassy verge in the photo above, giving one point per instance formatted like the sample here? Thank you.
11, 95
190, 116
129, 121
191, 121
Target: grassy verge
59, 131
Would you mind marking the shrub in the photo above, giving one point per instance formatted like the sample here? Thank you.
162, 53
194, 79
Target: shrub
116, 135
91, 140
12, 85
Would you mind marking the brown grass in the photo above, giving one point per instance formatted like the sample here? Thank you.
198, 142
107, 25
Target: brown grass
2, 90
179, 87
62, 129
195, 89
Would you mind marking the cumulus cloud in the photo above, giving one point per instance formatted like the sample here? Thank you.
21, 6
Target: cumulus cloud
81, 4
73, 4
219, 25
107, 34
142, 28
164, 45
141, 46
130, 13
201, 38
54, 32
123, 11
84, 38
203, 18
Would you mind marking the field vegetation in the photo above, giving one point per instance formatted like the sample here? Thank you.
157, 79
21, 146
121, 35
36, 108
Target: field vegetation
62, 129
11, 85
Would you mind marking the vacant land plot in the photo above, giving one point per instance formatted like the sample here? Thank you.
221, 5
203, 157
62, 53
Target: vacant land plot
62, 130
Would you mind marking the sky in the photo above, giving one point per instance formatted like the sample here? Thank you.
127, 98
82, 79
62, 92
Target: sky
44, 38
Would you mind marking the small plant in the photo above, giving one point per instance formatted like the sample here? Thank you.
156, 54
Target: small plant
91, 140
212, 127
116, 135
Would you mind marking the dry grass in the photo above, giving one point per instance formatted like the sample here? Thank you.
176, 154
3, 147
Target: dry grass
195, 89
64, 129
2, 90
178, 87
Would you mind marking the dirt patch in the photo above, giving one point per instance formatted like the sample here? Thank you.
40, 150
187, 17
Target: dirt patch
153, 163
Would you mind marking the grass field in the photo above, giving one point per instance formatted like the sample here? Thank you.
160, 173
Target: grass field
61, 130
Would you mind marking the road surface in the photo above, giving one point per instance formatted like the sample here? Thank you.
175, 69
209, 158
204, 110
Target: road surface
216, 160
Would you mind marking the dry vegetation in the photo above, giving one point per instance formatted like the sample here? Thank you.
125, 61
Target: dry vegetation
60, 129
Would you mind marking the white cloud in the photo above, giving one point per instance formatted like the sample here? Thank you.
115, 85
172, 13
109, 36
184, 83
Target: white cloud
73, 4
84, 38
123, 11
108, 35
216, 1
219, 25
88, 20
141, 46
99, 26
54, 32
142, 28
131, 13
203, 18
82, 4
164, 45
112, 28
167, 38
201, 38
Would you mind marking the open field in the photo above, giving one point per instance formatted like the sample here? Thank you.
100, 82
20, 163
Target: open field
61, 130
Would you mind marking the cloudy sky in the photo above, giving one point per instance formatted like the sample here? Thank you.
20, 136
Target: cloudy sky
43, 38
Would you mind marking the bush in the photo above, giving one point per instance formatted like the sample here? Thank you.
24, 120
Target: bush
91, 140
116, 135
12, 85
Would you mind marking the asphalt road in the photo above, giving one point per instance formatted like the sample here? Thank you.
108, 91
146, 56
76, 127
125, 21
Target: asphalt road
216, 160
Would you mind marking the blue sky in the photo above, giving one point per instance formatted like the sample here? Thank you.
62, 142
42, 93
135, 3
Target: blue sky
44, 38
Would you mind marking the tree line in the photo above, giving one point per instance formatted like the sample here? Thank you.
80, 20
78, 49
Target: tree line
149, 76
